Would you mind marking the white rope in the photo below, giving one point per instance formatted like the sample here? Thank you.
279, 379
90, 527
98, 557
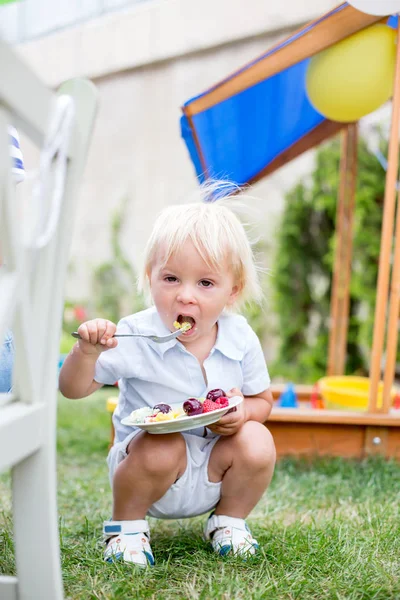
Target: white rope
53, 166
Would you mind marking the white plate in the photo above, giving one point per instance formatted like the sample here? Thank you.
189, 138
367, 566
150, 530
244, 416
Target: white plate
185, 423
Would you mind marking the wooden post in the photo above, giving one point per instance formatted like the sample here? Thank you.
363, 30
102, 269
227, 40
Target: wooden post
386, 241
340, 297
393, 322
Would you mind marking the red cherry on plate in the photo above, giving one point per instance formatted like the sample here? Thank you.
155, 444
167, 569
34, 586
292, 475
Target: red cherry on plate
214, 394
192, 407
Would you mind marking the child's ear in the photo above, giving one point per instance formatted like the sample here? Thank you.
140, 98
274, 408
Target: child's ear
236, 290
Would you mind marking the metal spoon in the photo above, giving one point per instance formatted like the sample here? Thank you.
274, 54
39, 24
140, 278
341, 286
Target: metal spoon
155, 338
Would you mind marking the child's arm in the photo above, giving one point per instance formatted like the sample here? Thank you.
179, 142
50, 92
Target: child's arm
256, 410
253, 408
77, 373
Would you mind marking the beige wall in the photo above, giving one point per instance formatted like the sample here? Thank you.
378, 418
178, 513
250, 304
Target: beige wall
146, 63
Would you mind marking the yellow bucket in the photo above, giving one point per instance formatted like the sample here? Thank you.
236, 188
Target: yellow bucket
112, 403
348, 392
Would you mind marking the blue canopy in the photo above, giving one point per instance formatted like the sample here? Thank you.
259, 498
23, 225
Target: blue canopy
259, 118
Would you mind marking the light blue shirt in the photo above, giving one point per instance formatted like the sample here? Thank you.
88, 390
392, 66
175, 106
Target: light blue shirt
6, 363
149, 373
7, 345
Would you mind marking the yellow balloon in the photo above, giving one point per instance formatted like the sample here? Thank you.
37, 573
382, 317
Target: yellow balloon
355, 76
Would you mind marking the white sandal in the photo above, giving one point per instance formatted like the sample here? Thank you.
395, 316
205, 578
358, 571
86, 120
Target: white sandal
229, 535
128, 541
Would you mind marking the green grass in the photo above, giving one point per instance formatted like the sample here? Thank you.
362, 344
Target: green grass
327, 530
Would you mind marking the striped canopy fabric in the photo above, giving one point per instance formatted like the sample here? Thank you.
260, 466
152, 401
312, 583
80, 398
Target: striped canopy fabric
259, 118
18, 170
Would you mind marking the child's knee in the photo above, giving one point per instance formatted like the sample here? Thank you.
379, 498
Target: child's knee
160, 454
256, 446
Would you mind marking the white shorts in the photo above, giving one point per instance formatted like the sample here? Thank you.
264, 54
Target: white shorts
193, 493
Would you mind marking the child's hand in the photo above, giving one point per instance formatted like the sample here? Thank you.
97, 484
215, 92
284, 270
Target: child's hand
97, 336
231, 422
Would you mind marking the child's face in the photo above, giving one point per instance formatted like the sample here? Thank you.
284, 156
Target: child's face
187, 287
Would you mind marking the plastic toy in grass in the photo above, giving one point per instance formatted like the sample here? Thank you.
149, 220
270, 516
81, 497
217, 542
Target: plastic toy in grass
288, 398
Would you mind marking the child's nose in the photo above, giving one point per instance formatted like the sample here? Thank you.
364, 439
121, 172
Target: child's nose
186, 295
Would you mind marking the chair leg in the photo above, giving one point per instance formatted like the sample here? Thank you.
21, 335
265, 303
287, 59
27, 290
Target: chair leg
37, 550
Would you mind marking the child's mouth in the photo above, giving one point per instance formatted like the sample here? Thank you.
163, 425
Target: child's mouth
186, 322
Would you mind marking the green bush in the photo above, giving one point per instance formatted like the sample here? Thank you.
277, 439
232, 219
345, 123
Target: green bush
258, 315
114, 282
304, 259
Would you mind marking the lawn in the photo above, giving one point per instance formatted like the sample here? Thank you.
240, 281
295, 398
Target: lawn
327, 530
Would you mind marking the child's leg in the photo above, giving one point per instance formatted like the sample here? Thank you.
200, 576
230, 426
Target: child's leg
244, 462
153, 464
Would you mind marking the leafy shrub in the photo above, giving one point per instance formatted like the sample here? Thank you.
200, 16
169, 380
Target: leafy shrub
304, 260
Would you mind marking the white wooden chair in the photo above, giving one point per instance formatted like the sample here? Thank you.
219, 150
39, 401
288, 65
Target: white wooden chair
31, 304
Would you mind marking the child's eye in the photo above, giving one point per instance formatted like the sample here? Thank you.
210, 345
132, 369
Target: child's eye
205, 283
170, 279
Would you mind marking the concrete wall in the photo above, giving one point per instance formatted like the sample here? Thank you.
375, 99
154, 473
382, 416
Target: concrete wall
146, 62
29, 19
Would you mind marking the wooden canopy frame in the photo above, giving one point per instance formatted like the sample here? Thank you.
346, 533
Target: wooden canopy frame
317, 431
378, 430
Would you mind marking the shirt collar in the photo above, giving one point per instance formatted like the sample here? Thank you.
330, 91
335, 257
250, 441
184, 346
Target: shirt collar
230, 339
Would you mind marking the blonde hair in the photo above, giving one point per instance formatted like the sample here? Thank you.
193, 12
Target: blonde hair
216, 233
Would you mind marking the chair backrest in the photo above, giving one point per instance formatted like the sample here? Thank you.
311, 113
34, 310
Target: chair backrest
31, 304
